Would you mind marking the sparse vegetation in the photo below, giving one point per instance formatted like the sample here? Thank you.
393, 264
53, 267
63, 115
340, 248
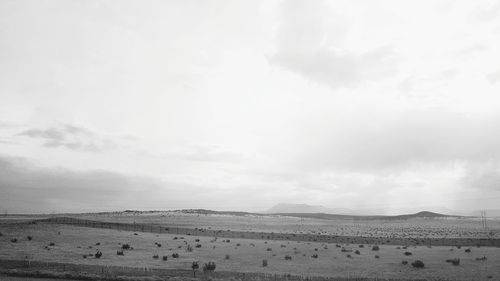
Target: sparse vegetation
264, 263
418, 264
209, 267
453, 261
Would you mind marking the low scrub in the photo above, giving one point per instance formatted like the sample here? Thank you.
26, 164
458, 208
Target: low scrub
453, 261
418, 264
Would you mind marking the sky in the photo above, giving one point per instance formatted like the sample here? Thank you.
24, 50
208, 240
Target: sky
240, 105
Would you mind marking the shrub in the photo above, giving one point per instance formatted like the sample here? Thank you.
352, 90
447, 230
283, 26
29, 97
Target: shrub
375, 248
264, 263
189, 248
407, 253
125, 246
209, 267
344, 250
165, 258
467, 250
453, 261
227, 257
84, 256
357, 252
404, 262
315, 256
377, 256
418, 264
198, 246
29, 238
287, 257
120, 252
483, 258
156, 257
349, 256
159, 245
52, 244
98, 255
175, 255
98, 243
361, 246
13, 240
269, 249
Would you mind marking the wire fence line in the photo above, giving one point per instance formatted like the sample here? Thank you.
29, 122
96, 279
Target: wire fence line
27, 266
158, 228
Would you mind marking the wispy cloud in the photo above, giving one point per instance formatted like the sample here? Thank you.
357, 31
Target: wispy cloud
68, 136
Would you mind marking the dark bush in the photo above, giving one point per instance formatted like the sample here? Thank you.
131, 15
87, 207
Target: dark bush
418, 264
453, 261
349, 256
159, 245
209, 267
125, 246
175, 255
227, 257
189, 248
29, 238
13, 240
52, 244
198, 246
404, 262
269, 249
120, 252
98, 255
197, 240
361, 246
357, 252
165, 258
98, 243
264, 263
375, 248
483, 258
407, 253
287, 257
156, 257
467, 250
315, 256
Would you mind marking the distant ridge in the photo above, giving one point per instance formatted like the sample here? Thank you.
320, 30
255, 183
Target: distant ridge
423, 214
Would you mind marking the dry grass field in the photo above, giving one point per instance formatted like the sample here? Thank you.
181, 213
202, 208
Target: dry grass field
411, 228
72, 243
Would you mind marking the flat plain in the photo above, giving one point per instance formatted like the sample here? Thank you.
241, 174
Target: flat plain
78, 245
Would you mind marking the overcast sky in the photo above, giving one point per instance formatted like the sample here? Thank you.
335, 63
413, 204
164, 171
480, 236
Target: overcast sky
240, 105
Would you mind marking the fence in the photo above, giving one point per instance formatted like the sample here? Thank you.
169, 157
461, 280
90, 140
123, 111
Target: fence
99, 271
156, 228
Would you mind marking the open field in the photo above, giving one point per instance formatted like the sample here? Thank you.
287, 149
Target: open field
411, 228
71, 243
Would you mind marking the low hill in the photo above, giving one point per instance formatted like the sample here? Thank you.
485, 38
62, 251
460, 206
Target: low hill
423, 214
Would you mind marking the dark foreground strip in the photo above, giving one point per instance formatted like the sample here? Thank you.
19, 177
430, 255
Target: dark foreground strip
55, 270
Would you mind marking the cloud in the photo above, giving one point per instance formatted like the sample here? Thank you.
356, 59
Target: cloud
68, 136
309, 45
206, 153
494, 77
396, 138
25, 187
483, 176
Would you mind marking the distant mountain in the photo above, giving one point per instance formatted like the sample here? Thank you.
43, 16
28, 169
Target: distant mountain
305, 209
423, 214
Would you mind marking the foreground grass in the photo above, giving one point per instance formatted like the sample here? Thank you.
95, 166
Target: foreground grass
71, 243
